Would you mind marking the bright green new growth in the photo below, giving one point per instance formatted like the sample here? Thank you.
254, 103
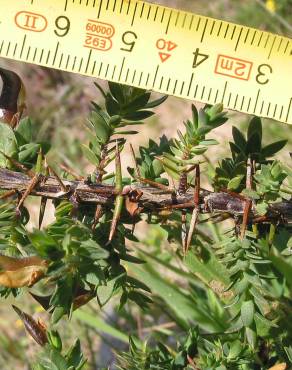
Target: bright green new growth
228, 301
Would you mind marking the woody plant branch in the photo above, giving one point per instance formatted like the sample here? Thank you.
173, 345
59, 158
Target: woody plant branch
149, 199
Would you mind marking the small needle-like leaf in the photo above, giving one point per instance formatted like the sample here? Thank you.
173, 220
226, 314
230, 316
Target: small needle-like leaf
44, 200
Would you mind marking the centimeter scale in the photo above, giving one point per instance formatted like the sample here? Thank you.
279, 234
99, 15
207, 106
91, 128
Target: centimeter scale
153, 47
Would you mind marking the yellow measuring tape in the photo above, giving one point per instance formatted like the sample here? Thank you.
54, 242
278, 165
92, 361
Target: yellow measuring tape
154, 47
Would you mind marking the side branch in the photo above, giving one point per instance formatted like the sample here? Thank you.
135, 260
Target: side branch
148, 198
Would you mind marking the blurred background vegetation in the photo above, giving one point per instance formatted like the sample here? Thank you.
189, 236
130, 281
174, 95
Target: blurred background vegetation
59, 103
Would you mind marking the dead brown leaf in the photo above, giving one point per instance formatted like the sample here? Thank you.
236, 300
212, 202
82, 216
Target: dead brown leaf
21, 272
36, 329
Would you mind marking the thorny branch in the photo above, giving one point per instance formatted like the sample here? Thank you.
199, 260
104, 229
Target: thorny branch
150, 200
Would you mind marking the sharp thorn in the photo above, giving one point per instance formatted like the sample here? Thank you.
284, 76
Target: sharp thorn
248, 202
155, 184
184, 229
62, 185
137, 169
34, 181
193, 224
74, 199
246, 212
72, 172
113, 230
42, 210
97, 215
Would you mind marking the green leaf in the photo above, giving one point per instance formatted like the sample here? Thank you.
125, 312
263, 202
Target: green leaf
157, 167
195, 116
234, 183
117, 92
250, 193
173, 174
112, 106
100, 124
238, 138
251, 337
263, 325
283, 264
177, 300
24, 129
28, 152
208, 142
8, 144
92, 250
235, 149
262, 208
75, 356
271, 149
126, 132
137, 284
171, 168
288, 351
139, 116
58, 313
255, 127
58, 360
45, 245
53, 361
214, 110
130, 258
99, 324
247, 313
62, 296
140, 299
138, 103
91, 157
156, 103
55, 339
105, 292
253, 145
209, 269
100, 89
235, 349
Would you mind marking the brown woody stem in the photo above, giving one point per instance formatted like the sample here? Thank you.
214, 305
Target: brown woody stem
151, 200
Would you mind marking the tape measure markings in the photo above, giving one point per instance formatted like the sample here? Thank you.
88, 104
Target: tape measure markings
178, 27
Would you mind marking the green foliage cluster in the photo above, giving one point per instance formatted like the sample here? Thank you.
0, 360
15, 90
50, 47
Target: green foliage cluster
228, 305
185, 150
52, 357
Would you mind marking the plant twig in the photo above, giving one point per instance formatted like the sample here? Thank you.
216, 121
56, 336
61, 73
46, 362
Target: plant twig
152, 199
